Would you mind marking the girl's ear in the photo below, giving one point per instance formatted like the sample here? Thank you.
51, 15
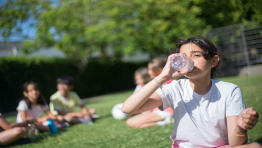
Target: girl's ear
25, 93
215, 61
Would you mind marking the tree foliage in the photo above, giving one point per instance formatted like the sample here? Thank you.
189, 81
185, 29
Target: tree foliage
81, 27
153, 26
219, 13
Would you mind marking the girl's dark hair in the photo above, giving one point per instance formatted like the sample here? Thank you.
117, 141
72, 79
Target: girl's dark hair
143, 72
40, 100
209, 49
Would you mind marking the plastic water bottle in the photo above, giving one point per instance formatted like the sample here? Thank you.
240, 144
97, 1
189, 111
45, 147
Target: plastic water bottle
31, 131
180, 62
52, 127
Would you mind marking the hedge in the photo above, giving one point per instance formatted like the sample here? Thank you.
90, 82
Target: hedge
99, 77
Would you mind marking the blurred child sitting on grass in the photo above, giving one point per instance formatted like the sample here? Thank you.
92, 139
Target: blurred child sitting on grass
154, 117
141, 77
33, 105
64, 101
11, 132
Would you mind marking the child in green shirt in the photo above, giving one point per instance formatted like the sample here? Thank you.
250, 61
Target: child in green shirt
64, 101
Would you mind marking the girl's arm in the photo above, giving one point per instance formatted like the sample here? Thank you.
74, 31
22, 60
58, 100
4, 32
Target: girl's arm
5, 125
23, 115
237, 126
145, 98
142, 100
233, 139
50, 115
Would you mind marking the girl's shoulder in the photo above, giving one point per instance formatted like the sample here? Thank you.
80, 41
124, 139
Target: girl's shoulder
55, 95
219, 83
22, 105
225, 88
22, 102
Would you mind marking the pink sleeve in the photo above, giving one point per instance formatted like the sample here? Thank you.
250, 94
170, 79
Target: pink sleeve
168, 81
169, 110
156, 109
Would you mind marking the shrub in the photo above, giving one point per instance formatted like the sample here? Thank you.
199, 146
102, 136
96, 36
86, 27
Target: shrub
99, 77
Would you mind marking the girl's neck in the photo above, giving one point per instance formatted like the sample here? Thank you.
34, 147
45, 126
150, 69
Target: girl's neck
201, 86
33, 102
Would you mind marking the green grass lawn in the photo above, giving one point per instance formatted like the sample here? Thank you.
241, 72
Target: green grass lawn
108, 132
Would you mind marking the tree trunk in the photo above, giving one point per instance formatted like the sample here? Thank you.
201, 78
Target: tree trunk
82, 65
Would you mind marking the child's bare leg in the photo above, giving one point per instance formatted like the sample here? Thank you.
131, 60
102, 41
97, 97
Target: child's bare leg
92, 111
71, 117
148, 125
11, 135
40, 127
75, 114
144, 120
59, 119
72, 120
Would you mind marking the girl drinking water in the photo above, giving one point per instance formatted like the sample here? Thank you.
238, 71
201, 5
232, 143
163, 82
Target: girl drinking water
154, 117
208, 113
33, 105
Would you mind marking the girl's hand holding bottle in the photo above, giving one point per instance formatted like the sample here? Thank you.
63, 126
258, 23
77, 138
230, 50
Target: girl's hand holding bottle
175, 62
32, 120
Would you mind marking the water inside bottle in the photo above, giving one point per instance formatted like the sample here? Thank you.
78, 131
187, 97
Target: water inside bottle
181, 63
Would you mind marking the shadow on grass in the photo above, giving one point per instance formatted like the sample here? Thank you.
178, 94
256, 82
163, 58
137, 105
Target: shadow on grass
38, 138
106, 116
45, 135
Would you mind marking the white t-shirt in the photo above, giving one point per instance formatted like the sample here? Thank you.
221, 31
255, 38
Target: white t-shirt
35, 111
200, 120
